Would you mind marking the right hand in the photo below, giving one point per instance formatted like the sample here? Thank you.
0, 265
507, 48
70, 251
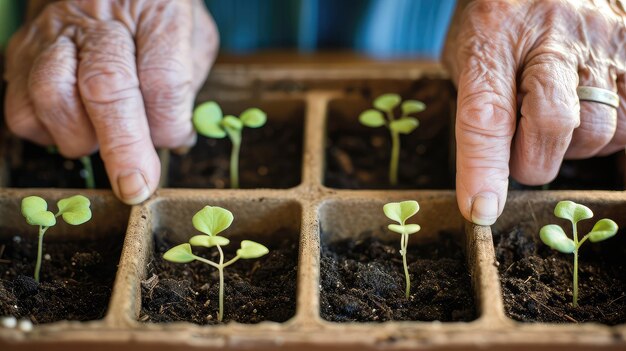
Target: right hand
118, 75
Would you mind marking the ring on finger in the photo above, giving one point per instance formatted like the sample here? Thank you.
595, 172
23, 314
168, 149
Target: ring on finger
603, 96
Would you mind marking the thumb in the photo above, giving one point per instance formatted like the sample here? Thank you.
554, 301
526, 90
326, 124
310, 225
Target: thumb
485, 125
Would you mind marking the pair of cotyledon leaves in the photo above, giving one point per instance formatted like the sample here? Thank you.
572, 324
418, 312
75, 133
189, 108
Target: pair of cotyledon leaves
209, 120
74, 210
212, 220
554, 236
400, 212
388, 102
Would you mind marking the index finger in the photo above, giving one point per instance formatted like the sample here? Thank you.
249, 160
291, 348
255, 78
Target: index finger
486, 116
109, 88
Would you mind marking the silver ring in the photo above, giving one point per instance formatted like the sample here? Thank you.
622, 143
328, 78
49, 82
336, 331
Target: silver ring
600, 95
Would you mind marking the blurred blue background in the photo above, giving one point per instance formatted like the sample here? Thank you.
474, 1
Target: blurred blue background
380, 28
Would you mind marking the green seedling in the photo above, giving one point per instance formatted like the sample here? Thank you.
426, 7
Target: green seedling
400, 212
212, 221
403, 125
554, 236
74, 210
210, 122
87, 172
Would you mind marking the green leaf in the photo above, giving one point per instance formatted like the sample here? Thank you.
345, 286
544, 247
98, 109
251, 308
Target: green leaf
180, 254
572, 211
404, 229
75, 210
251, 249
604, 229
206, 119
387, 102
404, 125
372, 118
212, 220
401, 211
412, 106
554, 236
253, 118
232, 122
35, 210
208, 241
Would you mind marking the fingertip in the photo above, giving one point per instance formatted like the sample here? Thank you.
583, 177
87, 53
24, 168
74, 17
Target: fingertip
132, 187
485, 209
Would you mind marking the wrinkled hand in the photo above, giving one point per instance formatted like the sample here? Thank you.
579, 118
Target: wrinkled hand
526, 58
119, 75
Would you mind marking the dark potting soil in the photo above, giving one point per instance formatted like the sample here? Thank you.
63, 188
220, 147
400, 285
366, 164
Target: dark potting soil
598, 173
537, 281
33, 166
270, 157
357, 157
363, 280
255, 290
76, 278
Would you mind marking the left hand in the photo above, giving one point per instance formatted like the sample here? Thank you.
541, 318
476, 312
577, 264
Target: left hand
510, 56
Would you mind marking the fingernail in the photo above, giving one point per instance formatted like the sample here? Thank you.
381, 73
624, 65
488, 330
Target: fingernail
133, 188
485, 209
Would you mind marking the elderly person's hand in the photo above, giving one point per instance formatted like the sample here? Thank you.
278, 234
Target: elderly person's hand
119, 75
517, 65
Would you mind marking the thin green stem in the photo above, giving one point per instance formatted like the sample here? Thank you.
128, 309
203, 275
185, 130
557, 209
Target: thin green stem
234, 165
395, 150
42, 231
220, 316
580, 243
232, 260
204, 260
575, 236
405, 239
575, 302
90, 181
395, 158
220, 269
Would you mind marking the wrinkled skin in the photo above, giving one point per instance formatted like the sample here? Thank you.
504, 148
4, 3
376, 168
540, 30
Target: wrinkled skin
121, 75
525, 59
118, 75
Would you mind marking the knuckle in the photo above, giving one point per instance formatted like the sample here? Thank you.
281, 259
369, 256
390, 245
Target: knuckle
487, 113
22, 126
78, 147
121, 149
108, 82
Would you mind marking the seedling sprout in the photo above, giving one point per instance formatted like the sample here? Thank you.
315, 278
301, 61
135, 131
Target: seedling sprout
403, 125
554, 236
212, 221
400, 212
210, 122
74, 210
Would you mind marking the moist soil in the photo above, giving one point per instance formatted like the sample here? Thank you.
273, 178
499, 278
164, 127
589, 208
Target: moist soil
363, 280
270, 157
76, 278
360, 160
357, 157
33, 166
537, 281
598, 173
255, 290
